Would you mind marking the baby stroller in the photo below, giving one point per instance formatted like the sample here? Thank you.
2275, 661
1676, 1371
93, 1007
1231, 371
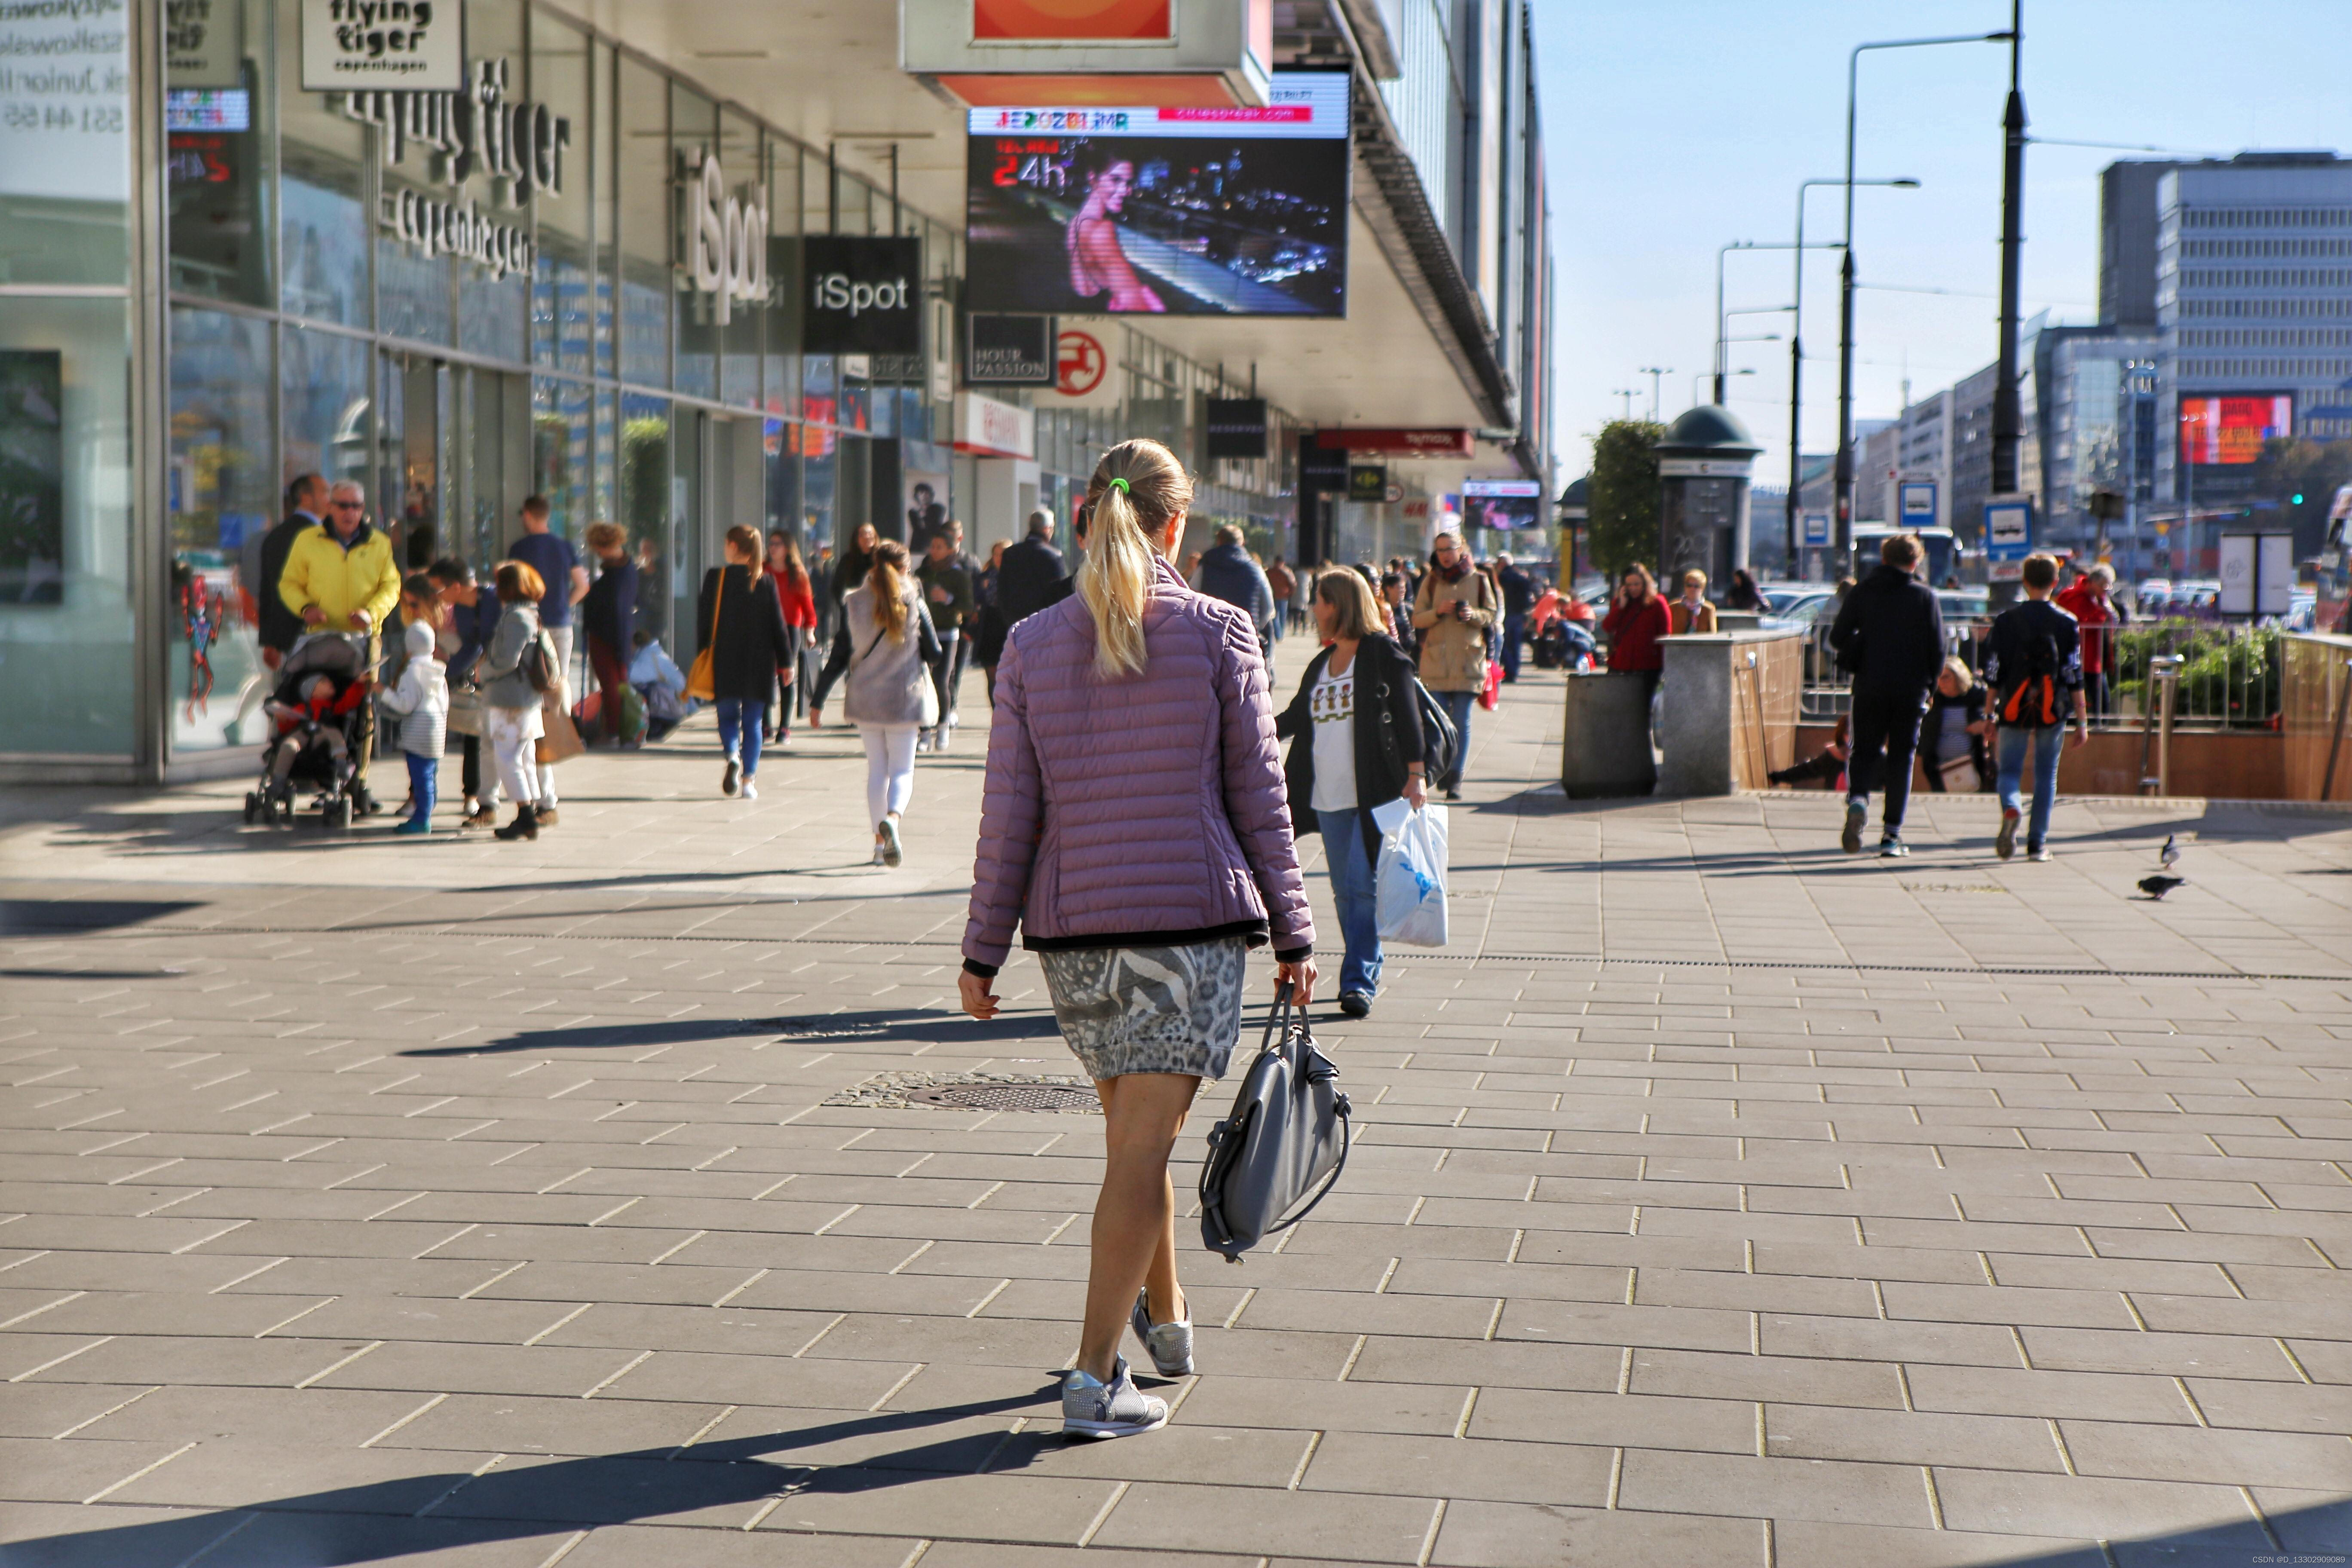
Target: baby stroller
321, 710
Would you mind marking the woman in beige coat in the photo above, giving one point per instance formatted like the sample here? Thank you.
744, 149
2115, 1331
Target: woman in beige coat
1451, 613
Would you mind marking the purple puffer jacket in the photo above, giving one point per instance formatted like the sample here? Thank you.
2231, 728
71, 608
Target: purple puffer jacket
1150, 808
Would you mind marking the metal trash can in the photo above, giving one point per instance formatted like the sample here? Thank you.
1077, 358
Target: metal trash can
1605, 746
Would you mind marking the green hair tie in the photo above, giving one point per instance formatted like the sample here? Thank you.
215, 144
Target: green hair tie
1120, 486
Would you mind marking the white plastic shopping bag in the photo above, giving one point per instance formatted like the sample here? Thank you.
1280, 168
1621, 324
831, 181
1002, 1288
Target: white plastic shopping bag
1409, 884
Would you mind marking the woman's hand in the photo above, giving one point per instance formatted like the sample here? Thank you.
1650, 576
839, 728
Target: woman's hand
978, 994
816, 717
1300, 977
1416, 791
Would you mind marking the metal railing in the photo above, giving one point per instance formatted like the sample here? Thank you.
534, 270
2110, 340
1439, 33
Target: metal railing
2226, 677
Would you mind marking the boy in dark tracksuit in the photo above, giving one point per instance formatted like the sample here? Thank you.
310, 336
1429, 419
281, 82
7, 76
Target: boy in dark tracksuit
2034, 662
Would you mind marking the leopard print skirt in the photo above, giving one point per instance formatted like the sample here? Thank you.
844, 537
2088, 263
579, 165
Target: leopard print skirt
1149, 1009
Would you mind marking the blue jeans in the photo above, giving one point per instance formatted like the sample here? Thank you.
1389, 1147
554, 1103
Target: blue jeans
1457, 707
736, 715
1514, 632
2049, 741
424, 783
1351, 890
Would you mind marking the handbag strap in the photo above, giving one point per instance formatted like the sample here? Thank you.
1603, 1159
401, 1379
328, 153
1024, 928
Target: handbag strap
717, 602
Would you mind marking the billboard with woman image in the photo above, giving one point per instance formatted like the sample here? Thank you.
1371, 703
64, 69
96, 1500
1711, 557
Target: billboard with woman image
1185, 212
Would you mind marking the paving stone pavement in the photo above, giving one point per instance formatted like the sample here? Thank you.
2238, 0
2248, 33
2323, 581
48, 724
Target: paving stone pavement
1719, 1200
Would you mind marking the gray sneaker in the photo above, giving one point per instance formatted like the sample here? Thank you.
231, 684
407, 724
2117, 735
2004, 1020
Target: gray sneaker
1170, 1344
1856, 813
1113, 1409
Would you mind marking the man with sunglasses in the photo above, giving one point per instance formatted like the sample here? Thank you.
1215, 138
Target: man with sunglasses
340, 576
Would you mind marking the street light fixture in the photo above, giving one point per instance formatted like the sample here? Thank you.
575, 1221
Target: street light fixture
1846, 273
1703, 374
1796, 355
1721, 252
1654, 372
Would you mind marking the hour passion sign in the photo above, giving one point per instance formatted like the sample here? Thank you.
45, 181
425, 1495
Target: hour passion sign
418, 45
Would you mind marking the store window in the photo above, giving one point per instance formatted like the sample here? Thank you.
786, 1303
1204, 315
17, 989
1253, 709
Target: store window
324, 382
644, 485
562, 310
220, 158
66, 631
494, 303
694, 132
644, 207
65, 147
738, 337
221, 492
560, 425
322, 185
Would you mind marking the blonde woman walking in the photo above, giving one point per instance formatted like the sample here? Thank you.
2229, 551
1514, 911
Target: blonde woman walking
886, 645
1134, 828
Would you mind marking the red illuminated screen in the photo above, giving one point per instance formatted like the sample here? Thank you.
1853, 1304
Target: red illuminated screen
2220, 430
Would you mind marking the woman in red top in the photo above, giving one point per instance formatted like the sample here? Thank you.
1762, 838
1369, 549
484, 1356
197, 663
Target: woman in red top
794, 595
1637, 619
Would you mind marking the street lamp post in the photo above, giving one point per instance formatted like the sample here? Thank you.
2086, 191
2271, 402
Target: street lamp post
2008, 415
1722, 376
1846, 276
1654, 372
1797, 358
1720, 313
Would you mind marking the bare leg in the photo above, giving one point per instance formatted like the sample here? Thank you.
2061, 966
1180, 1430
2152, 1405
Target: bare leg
1135, 1216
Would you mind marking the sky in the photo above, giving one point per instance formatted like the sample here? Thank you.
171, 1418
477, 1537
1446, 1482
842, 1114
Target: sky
1670, 132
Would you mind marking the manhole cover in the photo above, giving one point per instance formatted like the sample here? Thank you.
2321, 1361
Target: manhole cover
1007, 1097
973, 1091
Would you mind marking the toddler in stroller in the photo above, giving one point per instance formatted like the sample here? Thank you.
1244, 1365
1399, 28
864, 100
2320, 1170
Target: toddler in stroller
319, 705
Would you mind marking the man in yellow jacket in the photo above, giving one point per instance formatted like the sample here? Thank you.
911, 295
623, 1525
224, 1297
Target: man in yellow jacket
340, 576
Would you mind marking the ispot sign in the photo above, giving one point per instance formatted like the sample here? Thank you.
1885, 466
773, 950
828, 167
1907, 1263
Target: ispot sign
864, 294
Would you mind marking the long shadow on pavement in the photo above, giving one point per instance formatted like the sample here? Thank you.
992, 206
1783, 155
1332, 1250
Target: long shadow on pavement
452, 1509
435, 1512
878, 1023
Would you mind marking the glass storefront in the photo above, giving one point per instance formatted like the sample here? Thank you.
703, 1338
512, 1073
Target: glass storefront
364, 286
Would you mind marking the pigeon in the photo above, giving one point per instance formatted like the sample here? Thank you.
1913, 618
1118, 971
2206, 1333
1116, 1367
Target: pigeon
2170, 855
2156, 887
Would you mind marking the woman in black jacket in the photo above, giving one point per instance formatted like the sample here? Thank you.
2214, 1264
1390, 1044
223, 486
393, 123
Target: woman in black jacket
1359, 746
747, 644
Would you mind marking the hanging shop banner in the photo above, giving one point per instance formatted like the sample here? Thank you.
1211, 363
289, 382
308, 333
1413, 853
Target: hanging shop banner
1182, 211
203, 43
862, 294
726, 238
1066, 21
64, 96
1237, 427
1008, 350
1321, 470
1432, 443
418, 45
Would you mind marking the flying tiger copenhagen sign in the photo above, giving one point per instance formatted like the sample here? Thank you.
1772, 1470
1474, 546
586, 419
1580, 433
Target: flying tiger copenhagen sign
415, 45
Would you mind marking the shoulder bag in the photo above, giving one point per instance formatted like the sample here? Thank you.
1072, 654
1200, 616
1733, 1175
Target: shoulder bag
700, 680
1281, 1150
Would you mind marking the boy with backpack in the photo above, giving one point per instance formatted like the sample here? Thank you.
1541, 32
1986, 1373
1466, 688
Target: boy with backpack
2034, 662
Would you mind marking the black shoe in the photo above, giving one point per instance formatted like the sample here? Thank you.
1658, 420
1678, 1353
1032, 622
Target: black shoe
731, 778
524, 826
1454, 794
1856, 813
1355, 1004
362, 803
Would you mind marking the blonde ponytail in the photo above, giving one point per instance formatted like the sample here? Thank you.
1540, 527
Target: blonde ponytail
886, 582
1136, 489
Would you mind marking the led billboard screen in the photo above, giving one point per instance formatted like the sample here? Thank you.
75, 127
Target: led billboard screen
1183, 212
1502, 504
2222, 430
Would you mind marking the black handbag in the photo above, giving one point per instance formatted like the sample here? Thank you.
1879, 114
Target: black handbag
1282, 1149
1439, 740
